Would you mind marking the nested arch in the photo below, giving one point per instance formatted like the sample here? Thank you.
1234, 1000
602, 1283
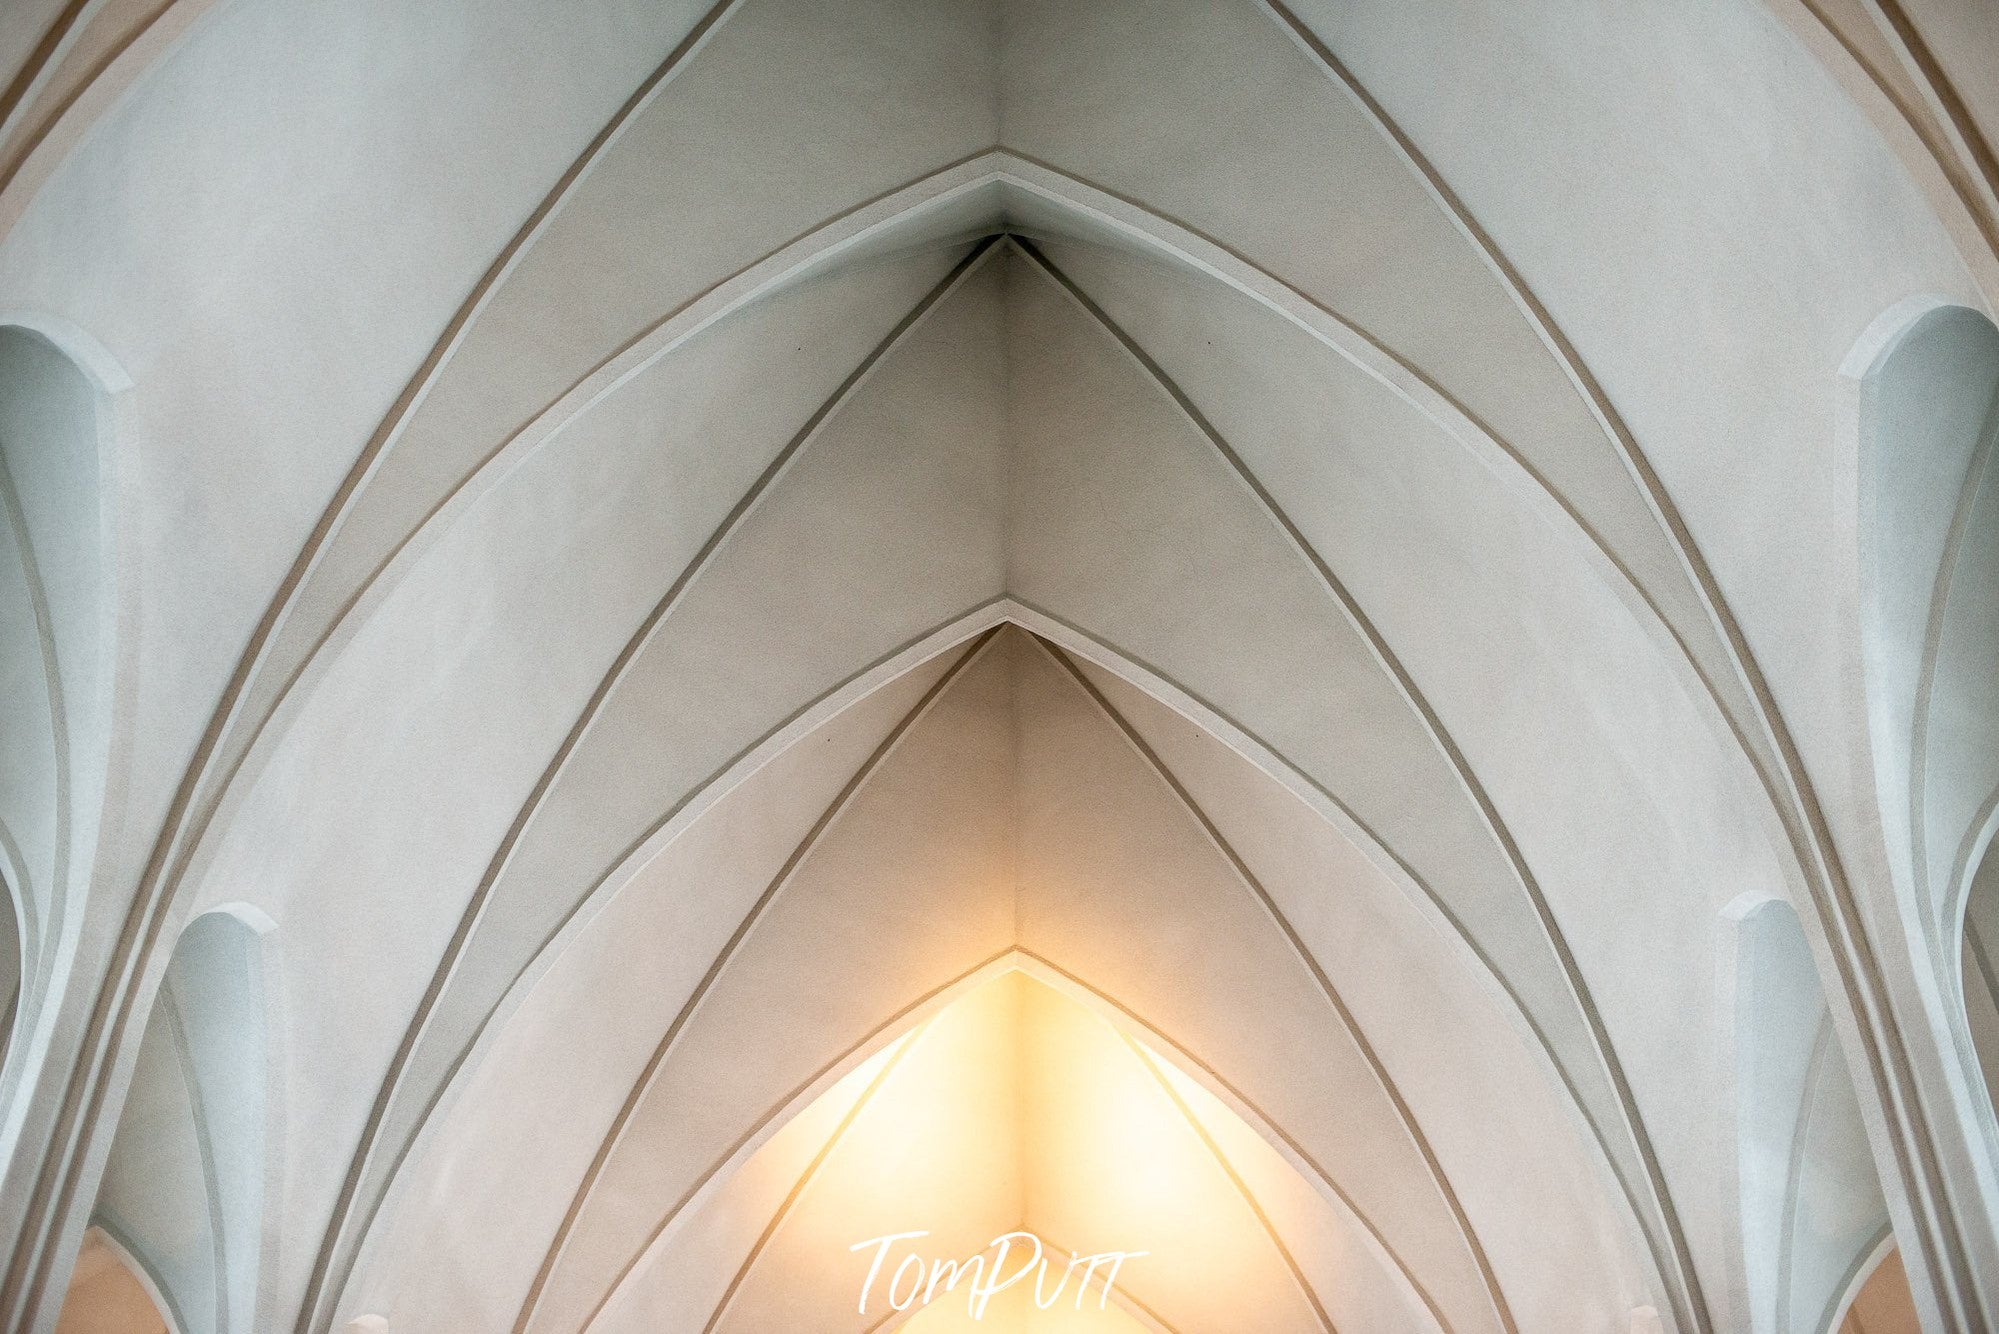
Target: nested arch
1812, 1209
189, 1168
1494, 363
1614, 1109
55, 437
469, 1006
1020, 1076
1925, 381
691, 980
1031, 299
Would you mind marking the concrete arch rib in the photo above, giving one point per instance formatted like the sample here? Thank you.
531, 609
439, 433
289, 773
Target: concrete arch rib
958, 188
1714, 627
1649, 1195
806, 1179
977, 623
219, 753
338, 1240
269, 683
610, 387
1255, 889
1148, 1044
714, 974
1881, 60
1134, 1026
968, 181
1207, 1140
984, 190
950, 187
56, 101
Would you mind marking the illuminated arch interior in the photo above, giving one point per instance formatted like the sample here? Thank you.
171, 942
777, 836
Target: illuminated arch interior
638, 641
184, 1190
1027, 1112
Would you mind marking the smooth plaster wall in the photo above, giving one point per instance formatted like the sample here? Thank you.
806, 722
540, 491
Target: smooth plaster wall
1770, 265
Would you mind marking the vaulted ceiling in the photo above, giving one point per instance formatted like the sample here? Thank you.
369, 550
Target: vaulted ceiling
1214, 628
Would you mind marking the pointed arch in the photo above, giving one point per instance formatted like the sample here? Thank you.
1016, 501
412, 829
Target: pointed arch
1811, 1204
57, 610
190, 1164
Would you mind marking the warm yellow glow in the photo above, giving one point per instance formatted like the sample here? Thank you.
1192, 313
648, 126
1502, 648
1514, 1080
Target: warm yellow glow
1013, 1310
1020, 1108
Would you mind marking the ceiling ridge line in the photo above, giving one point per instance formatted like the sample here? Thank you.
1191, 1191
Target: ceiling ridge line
795, 728
1412, 386
908, 1044
1279, 768
690, 1008
292, 694
737, 292
1327, 807
1347, 338
1009, 166
1221, 1159
1246, 878
753, 283
669, 826
734, 293
1405, 685
320, 1312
